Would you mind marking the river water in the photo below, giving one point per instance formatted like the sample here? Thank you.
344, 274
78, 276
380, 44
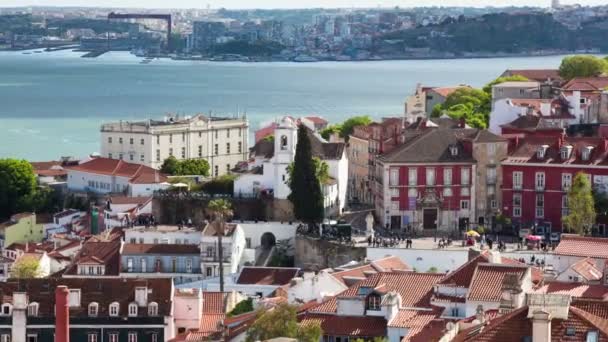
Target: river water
52, 104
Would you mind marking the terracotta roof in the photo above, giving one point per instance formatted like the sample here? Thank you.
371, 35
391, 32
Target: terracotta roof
213, 302
122, 200
446, 91
527, 148
515, 326
582, 246
434, 146
150, 248
586, 269
316, 120
356, 326
390, 263
103, 291
139, 174
577, 290
539, 75
98, 252
586, 84
415, 288
49, 169
266, 275
488, 280
387, 264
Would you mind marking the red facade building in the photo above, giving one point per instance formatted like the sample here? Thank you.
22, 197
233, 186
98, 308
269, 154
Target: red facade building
539, 172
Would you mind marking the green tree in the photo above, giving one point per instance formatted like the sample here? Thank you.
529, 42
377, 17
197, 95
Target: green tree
26, 267
321, 170
331, 129
581, 206
17, 187
305, 187
282, 322
472, 105
349, 125
221, 209
242, 307
199, 167
432, 269
170, 166
515, 78
582, 66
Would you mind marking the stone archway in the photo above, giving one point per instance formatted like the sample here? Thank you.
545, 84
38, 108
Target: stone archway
268, 240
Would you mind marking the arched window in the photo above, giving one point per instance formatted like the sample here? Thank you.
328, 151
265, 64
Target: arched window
132, 310
114, 309
283, 142
32, 309
93, 309
153, 309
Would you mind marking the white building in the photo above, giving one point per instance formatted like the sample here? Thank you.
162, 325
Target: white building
313, 286
233, 245
267, 169
120, 211
104, 176
220, 141
166, 235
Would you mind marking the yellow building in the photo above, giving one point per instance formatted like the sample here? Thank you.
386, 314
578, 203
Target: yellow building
21, 228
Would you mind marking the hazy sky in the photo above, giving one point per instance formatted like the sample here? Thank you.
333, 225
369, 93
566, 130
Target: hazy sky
286, 3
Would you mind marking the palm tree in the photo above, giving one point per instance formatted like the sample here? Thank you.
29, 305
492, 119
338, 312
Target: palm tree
220, 209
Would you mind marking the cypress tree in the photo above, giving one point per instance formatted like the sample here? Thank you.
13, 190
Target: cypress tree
306, 194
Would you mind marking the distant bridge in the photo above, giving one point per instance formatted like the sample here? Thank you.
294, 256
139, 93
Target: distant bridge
165, 17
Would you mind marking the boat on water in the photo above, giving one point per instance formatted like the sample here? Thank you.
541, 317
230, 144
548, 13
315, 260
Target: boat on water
146, 61
27, 53
305, 59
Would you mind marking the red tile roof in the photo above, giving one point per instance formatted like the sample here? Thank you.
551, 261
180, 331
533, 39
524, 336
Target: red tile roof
390, 263
356, 326
582, 246
210, 324
586, 268
266, 275
446, 91
578, 290
317, 120
213, 302
387, 264
138, 174
487, 282
415, 288
49, 169
586, 84
98, 252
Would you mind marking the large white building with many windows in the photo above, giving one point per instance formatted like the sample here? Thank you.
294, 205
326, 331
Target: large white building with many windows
220, 141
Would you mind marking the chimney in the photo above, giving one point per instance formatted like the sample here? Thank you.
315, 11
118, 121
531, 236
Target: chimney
494, 257
18, 329
392, 301
541, 326
62, 314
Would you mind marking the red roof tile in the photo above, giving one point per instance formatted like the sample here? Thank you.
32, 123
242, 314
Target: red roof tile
139, 174
487, 282
586, 84
582, 246
98, 252
586, 268
213, 302
150, 248
390, 263
357, 273
356, 326
267, 275
578, 290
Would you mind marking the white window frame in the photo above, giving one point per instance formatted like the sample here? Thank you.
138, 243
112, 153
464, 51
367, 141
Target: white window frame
447, 176
394, 176
539, 180
518, 177
394, 205
431, 179
132, 337
566, 181
74, 298
465, 205
539, 212
188, 265
447, 192
113, 337
32, 309
412, 176
92, 337
153, 309
5, 338
491, 175
93, 309
465, 176
143, 264
114, 309
394, 192
132, 310
516, 211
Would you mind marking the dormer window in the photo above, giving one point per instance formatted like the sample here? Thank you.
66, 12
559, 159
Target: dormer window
7, 309
132, 310
114, 309
93, 309
364, 291
565, 152
373, 302
454, 151
586, 153
153, 309
540, 153
32, 309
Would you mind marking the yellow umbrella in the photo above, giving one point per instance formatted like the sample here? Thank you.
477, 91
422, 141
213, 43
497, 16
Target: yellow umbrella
473, 233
